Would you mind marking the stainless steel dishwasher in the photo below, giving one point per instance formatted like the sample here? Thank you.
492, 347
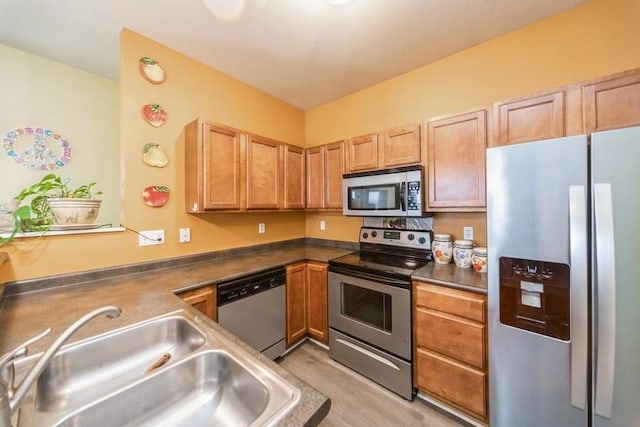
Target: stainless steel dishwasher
253, 308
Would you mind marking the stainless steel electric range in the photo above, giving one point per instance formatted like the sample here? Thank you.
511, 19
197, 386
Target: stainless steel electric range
370, 325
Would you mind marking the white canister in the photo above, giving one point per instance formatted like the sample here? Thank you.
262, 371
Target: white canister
462, 251
479, 259
442, 248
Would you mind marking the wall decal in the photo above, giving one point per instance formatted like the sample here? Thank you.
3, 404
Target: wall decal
154, 155
151, 70
154, 114
156, 195
37, 148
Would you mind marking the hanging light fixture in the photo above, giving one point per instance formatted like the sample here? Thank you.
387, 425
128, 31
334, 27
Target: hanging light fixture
338, 2
225, 10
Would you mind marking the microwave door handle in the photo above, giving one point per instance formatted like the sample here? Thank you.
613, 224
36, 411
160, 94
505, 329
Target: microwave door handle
403, 204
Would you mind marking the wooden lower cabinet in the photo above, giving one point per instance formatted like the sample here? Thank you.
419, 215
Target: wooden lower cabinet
317, 306
454, 382
450, 347
296, 302
203, 299
307, 312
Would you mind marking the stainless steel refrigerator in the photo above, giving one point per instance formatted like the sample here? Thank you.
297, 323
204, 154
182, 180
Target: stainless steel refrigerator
564, 281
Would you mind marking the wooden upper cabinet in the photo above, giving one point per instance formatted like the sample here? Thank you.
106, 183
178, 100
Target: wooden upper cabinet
397, 146
334, 169
529, 119
400, 146
362, 153
325, 166
315, 177
612, 102
263, 173
294, 177
212, 167
456, 162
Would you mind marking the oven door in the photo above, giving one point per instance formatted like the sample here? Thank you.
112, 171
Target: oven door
372, 311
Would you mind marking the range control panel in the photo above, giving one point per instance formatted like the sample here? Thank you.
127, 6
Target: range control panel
407, 238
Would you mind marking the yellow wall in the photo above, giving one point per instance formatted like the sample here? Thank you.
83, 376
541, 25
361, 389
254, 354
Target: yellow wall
191, 90
598, 38
80, 106
595, 39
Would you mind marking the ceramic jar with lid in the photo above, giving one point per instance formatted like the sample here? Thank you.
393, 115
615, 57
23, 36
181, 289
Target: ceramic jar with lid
462, 251
442, 248
479, 259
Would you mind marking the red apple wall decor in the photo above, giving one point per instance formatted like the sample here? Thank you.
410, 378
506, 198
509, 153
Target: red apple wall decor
156, 195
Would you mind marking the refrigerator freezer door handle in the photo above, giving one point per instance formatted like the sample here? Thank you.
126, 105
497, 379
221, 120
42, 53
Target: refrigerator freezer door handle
579, 294
606, 298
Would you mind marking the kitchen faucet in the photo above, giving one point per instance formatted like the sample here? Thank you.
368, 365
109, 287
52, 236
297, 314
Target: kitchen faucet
10, 396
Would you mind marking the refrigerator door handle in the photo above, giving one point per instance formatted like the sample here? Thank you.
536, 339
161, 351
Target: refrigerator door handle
606, 298
579, 293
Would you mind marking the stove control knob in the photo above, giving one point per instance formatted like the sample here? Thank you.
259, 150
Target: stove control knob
374, 234
422, 240
411, 236
365, 235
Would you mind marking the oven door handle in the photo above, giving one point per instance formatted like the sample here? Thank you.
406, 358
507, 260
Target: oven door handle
368, 276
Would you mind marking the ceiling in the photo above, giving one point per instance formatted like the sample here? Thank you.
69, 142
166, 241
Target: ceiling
304, 52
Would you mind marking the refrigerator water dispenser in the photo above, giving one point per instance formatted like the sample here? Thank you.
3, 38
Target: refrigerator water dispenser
534, 296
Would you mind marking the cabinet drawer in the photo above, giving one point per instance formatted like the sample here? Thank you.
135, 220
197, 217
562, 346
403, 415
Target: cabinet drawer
456, 383
453, 301
453, 337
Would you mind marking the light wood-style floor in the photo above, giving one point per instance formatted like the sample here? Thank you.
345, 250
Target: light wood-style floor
356, 400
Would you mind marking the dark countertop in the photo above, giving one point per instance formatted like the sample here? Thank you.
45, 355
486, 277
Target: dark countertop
147, 294
466, 279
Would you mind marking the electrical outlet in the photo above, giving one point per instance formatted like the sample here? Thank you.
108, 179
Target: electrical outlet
185, 235
323, 225
261, 228
151, 237
468, 233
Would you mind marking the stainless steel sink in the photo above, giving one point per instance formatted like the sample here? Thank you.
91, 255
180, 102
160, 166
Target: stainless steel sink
208, 380
85, 371
206, 389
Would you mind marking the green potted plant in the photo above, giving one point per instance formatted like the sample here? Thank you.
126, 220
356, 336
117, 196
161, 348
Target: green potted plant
51, 201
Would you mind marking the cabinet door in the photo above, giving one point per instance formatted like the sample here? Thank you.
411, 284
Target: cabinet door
400, 146
456, 162
263, 173
612, 103
334, 169
315, 177
530, 119
212, 167
203, 299
317, 306
455, 383
294, 177
453, 337
296, 300
362, 153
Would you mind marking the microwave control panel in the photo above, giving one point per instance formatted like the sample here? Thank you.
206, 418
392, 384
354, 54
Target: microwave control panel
414, 202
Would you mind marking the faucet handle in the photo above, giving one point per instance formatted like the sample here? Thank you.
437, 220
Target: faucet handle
7, 371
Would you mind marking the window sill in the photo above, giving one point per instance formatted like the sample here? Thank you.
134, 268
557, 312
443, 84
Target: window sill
99, 228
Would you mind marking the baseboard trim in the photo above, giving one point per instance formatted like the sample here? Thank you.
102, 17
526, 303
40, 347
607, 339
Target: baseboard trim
451, 411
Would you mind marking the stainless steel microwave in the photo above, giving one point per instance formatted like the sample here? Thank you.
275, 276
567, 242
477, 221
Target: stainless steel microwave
393, 192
